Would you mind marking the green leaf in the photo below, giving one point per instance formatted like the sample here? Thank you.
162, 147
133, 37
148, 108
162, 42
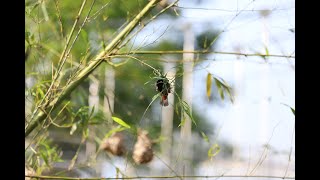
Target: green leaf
214, 150
39, 90
219, 86
91, 113
230, 95
182, 122
205, 44
27, 35
104, 17
292, 30
205, 137
186, 108
45, 158
293, 111
160, 139
121, 122
267, 51
177, 109
209, 83
85, 132
222, 85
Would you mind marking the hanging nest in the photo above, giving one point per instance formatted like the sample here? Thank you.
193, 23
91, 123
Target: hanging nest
142, 152
115, 144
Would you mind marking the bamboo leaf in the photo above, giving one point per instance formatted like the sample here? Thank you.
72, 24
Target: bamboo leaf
205, 44
45, 158
230, 95
219, 86
159, 139
214, 150
186, 108
209, 83
293, 111
121, 122
182, 122
222, 85
91, 113
292, 30
39, 90
205, 137
177, 108
104, 17
267, 51
27, 35
85, 132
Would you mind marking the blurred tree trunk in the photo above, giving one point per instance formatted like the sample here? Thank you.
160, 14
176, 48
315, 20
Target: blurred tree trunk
108, 101
108, 109
187, 87
93, 102
167, 117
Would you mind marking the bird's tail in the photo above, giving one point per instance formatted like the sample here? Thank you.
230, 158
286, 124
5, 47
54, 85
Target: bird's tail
164, 100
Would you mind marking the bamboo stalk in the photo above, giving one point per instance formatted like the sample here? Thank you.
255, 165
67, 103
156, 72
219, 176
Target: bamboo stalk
162, 177
40, 116
187, 89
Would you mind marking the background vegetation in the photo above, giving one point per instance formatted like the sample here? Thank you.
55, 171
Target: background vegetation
65, 131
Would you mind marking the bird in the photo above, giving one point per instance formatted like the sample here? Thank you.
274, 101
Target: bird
163, 86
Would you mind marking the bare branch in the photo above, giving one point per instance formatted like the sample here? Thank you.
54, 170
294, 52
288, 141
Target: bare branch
206, 52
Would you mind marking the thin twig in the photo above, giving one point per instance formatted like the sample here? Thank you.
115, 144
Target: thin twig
150, 20
226, 10
135, 58
56, 2
169, 167
228, 24
98, 12
264, 153
153, 42
289, 160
